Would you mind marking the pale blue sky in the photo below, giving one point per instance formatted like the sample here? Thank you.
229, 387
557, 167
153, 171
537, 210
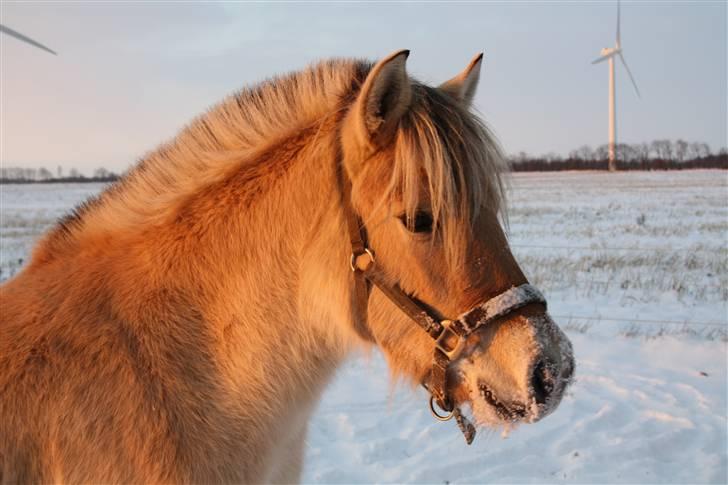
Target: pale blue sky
129, 75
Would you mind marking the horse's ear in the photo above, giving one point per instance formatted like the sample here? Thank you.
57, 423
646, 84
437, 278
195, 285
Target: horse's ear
384, 98
462, 87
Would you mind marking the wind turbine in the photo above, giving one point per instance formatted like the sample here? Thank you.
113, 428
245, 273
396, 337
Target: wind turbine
609, 53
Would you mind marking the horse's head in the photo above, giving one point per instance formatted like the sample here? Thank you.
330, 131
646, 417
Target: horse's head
425, 182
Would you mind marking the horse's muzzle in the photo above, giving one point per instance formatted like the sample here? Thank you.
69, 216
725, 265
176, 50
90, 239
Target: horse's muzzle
518, 371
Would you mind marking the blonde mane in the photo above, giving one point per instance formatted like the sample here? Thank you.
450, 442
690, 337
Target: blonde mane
439, 140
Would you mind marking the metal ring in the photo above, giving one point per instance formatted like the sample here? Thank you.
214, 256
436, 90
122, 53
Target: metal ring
352, 260
439, 417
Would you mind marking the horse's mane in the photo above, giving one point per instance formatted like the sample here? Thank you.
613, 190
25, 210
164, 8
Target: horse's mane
233, 130
438, 139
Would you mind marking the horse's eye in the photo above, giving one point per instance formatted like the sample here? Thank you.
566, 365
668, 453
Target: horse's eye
422, 222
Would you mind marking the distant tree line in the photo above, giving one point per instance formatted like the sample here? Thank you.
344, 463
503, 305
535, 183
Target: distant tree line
658, 155
18, 175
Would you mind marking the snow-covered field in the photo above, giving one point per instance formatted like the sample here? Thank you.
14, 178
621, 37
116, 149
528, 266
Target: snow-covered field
635, 267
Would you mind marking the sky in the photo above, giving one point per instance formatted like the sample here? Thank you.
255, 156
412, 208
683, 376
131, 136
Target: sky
129, 75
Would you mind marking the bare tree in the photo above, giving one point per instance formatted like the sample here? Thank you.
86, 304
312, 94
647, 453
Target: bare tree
30, 174
626, 152
584, 152
662, 149
44, 174
520, 157
642, 151
704, 150
681, 149
602, 152
697, 150
101, 173
552, 157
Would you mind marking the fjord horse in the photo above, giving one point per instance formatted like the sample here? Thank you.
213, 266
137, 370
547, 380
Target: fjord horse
181, 326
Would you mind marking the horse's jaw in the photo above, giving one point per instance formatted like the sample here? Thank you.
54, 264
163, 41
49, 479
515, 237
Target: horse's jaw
503, 382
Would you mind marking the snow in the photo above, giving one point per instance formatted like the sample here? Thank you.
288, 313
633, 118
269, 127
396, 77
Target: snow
623, 260
28, 210
639, 412
642, 409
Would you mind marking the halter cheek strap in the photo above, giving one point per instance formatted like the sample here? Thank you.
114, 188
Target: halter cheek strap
449, 335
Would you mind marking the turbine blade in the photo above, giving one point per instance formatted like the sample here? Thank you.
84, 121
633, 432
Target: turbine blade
631, 78
618, 40
23, 38
603, 58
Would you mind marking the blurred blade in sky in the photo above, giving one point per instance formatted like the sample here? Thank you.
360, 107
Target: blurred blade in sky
618, 41
19, 36
630, 75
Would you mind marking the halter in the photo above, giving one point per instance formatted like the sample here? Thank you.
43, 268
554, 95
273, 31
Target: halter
449, 335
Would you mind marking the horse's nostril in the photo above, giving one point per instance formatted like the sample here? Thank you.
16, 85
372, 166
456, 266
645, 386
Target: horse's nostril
542, 382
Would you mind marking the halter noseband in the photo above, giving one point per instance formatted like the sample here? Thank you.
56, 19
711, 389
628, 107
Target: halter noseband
449, 335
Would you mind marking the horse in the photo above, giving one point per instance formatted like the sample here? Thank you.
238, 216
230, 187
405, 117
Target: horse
182, 325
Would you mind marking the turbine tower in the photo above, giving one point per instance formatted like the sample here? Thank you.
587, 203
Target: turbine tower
609, 53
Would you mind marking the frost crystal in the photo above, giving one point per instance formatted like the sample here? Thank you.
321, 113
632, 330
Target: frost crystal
506, 302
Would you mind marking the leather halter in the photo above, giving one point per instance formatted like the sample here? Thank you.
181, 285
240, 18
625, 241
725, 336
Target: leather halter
449, 335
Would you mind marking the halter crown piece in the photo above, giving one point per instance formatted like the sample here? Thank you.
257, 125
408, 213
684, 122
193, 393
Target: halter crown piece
449, 335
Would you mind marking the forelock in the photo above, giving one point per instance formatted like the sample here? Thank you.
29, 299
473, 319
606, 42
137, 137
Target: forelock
450, 151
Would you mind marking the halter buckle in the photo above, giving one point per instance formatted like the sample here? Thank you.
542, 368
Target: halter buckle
354, 261
442, 343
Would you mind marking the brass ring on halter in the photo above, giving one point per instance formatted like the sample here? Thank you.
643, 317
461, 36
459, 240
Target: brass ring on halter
439, 417
354, 257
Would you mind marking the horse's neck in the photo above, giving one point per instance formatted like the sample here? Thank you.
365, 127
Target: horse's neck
268, 249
